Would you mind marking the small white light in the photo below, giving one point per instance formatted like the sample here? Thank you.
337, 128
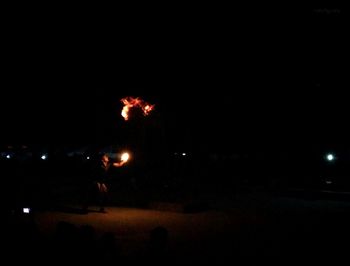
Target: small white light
8, 156
26, 210
184, 154
87, 157
330, 157
328, 182
44, 157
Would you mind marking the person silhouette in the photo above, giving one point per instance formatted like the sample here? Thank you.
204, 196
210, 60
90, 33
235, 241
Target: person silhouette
102, 179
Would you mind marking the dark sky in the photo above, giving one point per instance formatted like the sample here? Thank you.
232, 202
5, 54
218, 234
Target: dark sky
243, 77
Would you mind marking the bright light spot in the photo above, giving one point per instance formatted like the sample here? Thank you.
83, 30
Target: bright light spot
8, 156
330, 157
87, 157
44, 157
125, 157
328, 182
26, 210
184, 154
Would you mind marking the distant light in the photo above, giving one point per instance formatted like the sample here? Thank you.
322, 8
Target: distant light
26, 210
8, 156
330, 157
328, 182
44, 157
87, 157
184, 154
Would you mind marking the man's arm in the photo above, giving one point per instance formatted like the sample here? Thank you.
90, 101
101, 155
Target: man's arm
119, 164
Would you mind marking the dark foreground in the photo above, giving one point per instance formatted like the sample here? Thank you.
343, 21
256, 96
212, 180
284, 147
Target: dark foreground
254, 225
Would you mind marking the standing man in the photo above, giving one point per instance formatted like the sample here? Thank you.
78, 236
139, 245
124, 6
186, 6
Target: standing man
102, 177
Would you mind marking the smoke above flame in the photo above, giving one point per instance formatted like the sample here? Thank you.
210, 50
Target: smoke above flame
130, 102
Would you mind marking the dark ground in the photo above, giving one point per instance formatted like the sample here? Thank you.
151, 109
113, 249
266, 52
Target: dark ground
253, 224
193, 219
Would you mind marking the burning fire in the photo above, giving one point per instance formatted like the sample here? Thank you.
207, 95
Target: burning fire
130, 102
125, 157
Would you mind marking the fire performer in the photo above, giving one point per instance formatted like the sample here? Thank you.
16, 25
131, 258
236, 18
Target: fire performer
102, 175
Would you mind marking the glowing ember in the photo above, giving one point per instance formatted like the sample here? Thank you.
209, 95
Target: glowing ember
123, 160
130, 102
125, 157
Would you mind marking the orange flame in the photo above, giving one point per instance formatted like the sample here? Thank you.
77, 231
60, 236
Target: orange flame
130, 102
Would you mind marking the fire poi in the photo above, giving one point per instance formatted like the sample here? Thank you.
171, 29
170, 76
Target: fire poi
125, 157
130, 102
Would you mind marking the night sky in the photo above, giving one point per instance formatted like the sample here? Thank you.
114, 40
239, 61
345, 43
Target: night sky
247, 78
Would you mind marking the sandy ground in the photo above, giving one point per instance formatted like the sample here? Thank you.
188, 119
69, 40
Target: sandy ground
253, 225
189, 234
